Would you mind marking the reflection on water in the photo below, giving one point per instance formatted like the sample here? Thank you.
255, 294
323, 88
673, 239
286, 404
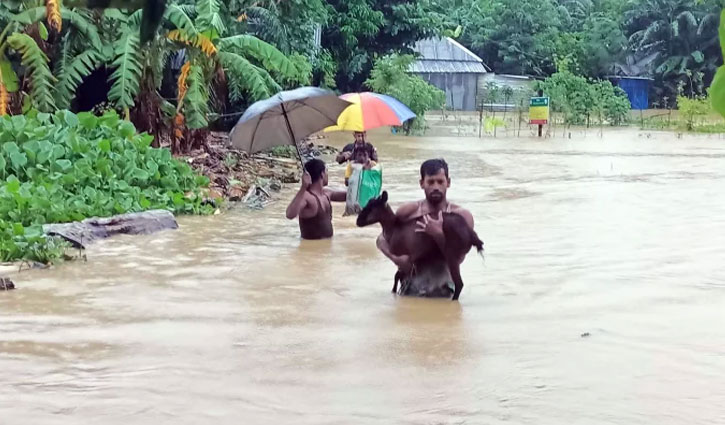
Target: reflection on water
234, 316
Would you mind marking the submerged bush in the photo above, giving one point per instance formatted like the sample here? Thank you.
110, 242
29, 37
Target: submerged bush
66, 167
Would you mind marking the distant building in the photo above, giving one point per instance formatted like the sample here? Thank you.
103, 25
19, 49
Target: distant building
448, 65
634, 76
521, 85
637, 89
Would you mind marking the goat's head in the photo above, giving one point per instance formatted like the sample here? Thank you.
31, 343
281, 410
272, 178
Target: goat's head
374, 211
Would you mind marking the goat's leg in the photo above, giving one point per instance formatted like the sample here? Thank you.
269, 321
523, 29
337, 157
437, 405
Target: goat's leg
397, 277
455, 268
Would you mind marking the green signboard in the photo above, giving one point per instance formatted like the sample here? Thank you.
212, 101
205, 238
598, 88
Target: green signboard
539, 101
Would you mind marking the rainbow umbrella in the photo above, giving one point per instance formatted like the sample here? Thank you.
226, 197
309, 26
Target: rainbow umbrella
371, 110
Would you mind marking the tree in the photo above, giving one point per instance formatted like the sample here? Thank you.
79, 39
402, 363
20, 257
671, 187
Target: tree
604, 44
291, 26
25, 33
581, 99
361, 30
214, 66
683, 34
514, 37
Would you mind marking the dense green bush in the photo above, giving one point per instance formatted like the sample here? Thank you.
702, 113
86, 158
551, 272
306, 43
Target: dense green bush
582, 100
66, 167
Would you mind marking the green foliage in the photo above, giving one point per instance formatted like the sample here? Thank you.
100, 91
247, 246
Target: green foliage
265, 53
41, 78
197, 99
717, 90
65, 167
683, 36
127, 76
610, 102
361, 30
85, 26
580, 99
71, 72
289, 25
514, 37
252, 69
244, 77
693, 111
389, 76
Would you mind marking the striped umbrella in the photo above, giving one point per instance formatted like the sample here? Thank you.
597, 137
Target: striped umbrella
371, 110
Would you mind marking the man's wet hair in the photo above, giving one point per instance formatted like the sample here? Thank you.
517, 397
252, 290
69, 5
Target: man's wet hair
315, 167
432, 166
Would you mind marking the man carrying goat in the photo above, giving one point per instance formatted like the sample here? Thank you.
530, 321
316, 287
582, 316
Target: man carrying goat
431, 278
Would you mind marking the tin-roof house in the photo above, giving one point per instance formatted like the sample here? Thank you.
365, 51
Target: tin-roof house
451, 67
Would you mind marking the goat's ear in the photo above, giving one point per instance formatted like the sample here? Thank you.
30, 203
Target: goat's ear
384, 197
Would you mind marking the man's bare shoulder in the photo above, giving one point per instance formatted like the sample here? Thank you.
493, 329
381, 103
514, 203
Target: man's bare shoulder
406, 211
466, 214
455, 208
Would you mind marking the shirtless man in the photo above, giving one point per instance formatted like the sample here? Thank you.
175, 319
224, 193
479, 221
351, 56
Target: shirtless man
434, 181
312, 203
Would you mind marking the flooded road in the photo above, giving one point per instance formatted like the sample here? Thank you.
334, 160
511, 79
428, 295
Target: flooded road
601, 300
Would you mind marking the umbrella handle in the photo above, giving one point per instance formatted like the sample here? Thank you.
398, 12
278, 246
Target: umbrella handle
292, 134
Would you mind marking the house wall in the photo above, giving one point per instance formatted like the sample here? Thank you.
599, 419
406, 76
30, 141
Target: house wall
636, 90
522, 86
460, 89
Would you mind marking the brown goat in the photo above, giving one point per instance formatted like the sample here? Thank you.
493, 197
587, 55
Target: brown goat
420, 247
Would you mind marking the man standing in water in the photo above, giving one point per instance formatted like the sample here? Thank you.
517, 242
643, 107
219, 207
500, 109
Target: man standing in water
430, 279
359, 143
312, 203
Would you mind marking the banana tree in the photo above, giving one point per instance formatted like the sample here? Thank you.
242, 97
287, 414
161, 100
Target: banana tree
249, 68
153, 12
26, 28
15, 17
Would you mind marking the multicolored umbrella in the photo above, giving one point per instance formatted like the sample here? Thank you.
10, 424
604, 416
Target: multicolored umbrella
371, 110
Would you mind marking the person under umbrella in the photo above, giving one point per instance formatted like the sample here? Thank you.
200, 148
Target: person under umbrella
285, 119
313, 202
360, 142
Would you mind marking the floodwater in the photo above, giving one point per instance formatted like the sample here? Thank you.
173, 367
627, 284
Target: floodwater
601, 300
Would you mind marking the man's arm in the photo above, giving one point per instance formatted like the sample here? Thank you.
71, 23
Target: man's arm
345, 154
337, 195
299, 205
374, 154
465, 214
402, 261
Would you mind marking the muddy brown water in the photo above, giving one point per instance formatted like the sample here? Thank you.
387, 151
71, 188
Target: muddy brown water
601, 300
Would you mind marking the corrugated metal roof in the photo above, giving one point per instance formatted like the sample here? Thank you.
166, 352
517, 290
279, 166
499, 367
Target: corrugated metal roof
436, 66
445, 55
